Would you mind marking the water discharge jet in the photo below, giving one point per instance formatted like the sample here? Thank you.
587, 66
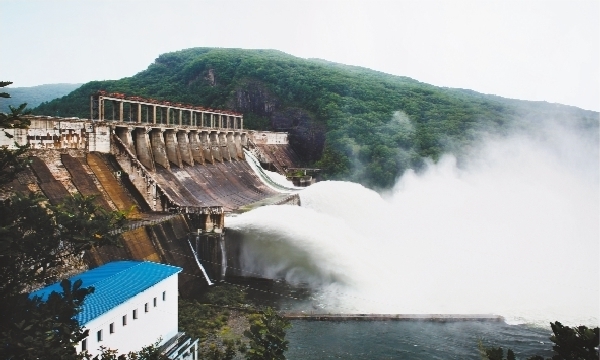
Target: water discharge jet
513, 231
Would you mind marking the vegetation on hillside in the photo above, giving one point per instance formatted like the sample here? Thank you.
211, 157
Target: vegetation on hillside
355, 123
35, 95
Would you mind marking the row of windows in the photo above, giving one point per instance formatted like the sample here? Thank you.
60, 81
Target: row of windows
111, 327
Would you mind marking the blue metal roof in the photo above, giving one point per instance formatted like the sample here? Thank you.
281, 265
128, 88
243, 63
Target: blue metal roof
114, 283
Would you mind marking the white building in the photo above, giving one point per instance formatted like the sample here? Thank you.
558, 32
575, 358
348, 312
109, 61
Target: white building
134, 304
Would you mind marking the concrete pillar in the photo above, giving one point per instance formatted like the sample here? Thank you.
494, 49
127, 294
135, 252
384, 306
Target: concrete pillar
101, 109
241, 123
184, 147
139, 113
192, 119
196, 147
215, 148
168, 114
223, 146
159, 149
180, 117
206, 148
144, 149
120, 111
244, 138
124, 133
153, 114
173, 153
237, 140
231, 146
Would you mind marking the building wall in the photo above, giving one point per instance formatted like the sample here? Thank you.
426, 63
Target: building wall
60, 133
159, 322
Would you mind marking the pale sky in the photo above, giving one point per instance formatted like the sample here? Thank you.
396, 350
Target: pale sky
532, 50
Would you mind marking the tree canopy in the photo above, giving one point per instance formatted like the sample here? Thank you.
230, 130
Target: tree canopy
355, 123
35, 240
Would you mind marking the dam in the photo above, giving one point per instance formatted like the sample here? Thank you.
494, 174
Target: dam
175, 169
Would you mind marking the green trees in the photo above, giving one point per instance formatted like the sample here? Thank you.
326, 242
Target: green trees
35, 240
267, 336
35, 329
353, 109
578, 343
11, 161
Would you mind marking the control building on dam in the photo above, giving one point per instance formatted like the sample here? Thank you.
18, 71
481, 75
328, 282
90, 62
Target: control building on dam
177, 169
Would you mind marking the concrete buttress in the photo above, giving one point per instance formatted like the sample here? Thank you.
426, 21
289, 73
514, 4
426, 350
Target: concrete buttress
124, 133
223, 146
143, 148
184, 147
205, 143
231, 146
196, 147
173, 153
158, 148
215, 149
237, 140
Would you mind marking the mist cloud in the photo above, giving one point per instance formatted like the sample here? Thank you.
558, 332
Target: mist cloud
511, 230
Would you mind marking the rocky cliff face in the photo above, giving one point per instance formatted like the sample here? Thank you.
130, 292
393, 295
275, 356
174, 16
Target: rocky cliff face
254, 97
307, 138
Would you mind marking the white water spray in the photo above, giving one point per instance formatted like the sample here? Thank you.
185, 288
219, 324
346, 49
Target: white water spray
514, 232
272, 179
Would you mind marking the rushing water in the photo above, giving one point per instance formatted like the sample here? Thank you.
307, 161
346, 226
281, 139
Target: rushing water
513, 231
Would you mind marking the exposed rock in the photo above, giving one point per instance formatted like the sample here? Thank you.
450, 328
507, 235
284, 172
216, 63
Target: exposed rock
307, 137
255, 98
210, 77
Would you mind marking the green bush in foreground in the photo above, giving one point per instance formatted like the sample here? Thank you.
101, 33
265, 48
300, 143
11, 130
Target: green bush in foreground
578, 343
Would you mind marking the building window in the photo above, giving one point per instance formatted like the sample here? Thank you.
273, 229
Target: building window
146, 307
111, 328
164, 295
84, 345
124, 320
154, 302
134, 314
99, 335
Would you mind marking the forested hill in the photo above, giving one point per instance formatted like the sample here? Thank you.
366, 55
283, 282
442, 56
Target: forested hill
355, 123
35, 95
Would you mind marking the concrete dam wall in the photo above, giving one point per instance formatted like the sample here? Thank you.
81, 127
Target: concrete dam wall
165, 168
176, 183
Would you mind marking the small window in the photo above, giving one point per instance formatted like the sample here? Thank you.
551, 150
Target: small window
135, 314
99, 335
164, 295
124, 320
154, 302
111, 328
84, 345
146, 307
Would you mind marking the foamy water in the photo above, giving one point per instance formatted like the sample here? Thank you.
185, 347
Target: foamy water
513, 232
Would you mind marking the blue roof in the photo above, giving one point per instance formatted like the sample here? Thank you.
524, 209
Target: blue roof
114, 283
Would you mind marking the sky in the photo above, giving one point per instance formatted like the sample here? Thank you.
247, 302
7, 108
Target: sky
531, 50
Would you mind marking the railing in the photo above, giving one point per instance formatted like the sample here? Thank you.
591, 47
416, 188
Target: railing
134, 225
